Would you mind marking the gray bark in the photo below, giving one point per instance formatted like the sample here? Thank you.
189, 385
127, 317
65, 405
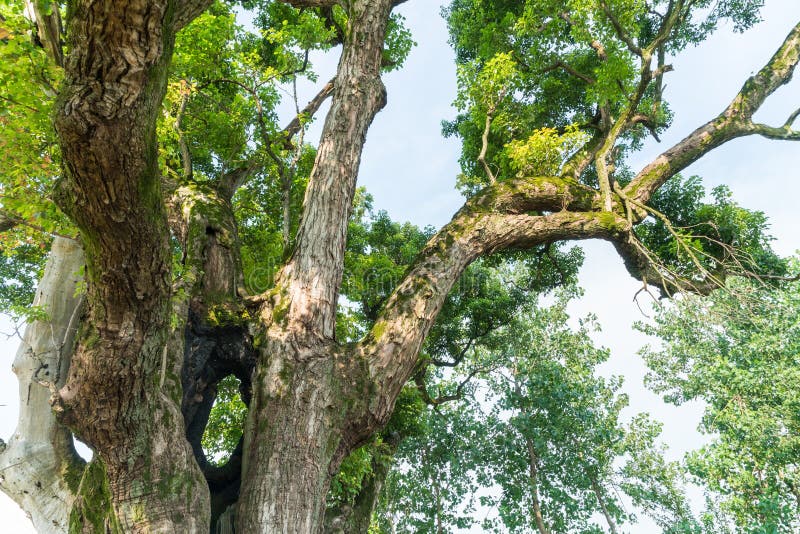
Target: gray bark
39, 468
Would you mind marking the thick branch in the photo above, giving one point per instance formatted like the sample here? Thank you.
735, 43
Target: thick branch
40, 463
310, 280
188, 10
735, 121
497, 219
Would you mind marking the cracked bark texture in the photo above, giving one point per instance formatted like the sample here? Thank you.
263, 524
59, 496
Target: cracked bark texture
118, 397
139, 393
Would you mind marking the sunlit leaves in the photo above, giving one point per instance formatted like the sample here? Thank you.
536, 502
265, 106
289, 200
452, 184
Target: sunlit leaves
29, 156
544, 152
225, 422
399, 43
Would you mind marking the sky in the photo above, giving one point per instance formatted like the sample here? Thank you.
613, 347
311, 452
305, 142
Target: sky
411, 171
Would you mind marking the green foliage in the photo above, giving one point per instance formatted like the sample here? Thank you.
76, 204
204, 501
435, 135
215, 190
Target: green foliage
544, 152
30, 158
225, 422
378, 253
538, 423
737, 351
716, 235
552, 416
537, 64
399, 43
431, 489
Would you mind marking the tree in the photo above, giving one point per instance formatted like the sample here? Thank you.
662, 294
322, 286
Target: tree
737, 351
550, 454
553, 98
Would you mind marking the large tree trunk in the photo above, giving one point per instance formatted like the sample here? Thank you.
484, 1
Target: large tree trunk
121, 396
298, 413
39, 468
314, 401
305, 385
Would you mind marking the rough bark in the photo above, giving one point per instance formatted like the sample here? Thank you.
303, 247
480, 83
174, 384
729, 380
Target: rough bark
39, 468
312, 277
300, 404
211, 335
303, 384
313, 400
118, 397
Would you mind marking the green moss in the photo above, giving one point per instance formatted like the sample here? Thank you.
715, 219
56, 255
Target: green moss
281, 310
71, 474
227, 314
378, 329
174, 485
608, 220
92, 511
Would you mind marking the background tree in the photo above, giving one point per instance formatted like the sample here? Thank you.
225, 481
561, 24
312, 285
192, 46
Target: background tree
736, 350
156, 338
545, 449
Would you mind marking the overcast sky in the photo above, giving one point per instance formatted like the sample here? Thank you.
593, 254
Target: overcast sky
411, 170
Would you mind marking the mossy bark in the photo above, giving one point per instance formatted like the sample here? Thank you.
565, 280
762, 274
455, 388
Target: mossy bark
115, 398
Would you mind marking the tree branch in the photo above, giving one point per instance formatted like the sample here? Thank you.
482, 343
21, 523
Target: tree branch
569, 70
620, 31
237, 176
7, 222
783, 133
309, 111
735, 121
186, 155
188, 10
311, 279
48, 28
496, 219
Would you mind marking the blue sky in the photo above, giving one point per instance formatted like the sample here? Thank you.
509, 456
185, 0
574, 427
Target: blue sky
411, 171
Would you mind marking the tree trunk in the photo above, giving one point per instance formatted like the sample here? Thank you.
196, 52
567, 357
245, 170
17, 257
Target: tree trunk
305, 386
536, 508
39, 468
121, 396
299, 410
599, 494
